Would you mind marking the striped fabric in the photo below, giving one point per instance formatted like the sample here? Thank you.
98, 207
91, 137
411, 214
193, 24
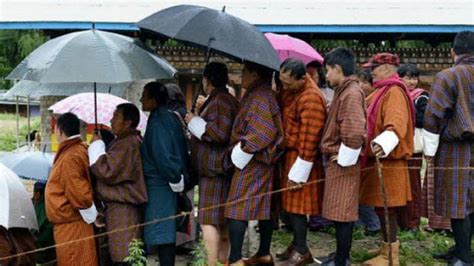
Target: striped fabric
394, 114
347, 123
304, 114
258, 127
117, 216
427, 207
450, 113
79, 253
219, 113
207, 154
409, 215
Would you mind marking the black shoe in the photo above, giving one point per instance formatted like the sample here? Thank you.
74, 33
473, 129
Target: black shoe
444, 256
457, 262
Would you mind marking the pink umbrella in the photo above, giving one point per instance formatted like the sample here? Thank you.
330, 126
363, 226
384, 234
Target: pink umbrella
289, 47
82, 105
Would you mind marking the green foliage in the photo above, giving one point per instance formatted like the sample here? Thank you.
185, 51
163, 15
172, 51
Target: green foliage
136, 253
199, 255
15, 45
8, 132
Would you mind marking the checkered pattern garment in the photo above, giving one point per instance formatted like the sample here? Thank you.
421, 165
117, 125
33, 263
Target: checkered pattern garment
120, 184
409, 215
450, 113
258, 127
304, 114
347, 123
427, 203
219, 113
393, 114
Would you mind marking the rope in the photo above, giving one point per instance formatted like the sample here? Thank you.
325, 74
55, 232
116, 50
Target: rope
204, 209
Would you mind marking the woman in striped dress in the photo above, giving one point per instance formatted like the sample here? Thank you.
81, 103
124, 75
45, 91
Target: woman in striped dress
211, 127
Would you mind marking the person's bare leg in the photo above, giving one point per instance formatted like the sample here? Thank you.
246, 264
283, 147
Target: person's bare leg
210, 236
224, 244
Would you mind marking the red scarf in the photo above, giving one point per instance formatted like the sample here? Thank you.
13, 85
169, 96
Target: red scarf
415, 93
382, 86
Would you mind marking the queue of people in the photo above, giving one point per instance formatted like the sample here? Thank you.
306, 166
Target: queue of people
320, 147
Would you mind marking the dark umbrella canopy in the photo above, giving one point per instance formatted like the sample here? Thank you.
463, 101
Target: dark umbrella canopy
217, 30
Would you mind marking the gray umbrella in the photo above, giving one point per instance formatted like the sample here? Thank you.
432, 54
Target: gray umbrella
92, 56
29, 165
217, 30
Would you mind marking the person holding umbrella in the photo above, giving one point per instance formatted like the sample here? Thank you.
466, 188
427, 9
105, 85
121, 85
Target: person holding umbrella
119, 181
69, 196
211, 127
304, 115
164, 156
390, 130
256, 137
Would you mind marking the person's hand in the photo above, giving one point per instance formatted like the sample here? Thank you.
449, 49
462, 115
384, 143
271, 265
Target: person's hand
333, 158
188, 117
100, 220
199, 103
293, 185
96, 136
377, 149
429, 159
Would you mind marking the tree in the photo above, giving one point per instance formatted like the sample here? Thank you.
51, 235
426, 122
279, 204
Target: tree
15, 45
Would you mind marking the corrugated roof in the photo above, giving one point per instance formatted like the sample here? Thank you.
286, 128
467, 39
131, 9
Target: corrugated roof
263, 13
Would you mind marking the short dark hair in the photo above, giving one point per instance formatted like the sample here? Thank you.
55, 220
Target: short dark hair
158, 92
69, 124
464, 43
342, 57
365, 74
263, 72
217, 74
320, 69
409, 70
130, 113
175, 93
295, 66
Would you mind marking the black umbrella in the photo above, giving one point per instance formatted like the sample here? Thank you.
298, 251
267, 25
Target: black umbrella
213, 30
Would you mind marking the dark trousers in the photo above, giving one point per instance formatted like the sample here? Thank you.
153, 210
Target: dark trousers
166, 253
343, 242
463, 230
237, 233
300, 230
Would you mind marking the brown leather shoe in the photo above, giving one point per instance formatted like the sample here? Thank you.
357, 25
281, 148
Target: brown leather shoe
263, 260
287, 253
297, 259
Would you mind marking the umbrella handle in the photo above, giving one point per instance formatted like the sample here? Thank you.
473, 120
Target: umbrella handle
201, 89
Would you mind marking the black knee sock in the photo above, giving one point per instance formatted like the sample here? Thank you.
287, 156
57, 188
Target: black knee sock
461, 231
166, 254
236, 237
300, 230
344, 241
393, 220
266, 229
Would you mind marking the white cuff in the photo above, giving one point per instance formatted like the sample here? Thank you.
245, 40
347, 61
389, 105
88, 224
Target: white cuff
96, 149
430, 143
300, 171
347, 156
89, 215
197, 126
240, 158
178, 187
388, 140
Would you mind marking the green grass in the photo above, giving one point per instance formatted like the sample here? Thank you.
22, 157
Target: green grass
8, 130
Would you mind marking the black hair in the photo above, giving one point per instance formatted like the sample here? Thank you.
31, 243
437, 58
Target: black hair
130, 113
409, 70
175, 93
263, 72
69, 124
217, 74
464, 43
158, 92
295, 66
342, 57
365, 74
321, 74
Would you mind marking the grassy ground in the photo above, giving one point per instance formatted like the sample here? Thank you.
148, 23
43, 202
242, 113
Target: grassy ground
8, 130
416, 248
